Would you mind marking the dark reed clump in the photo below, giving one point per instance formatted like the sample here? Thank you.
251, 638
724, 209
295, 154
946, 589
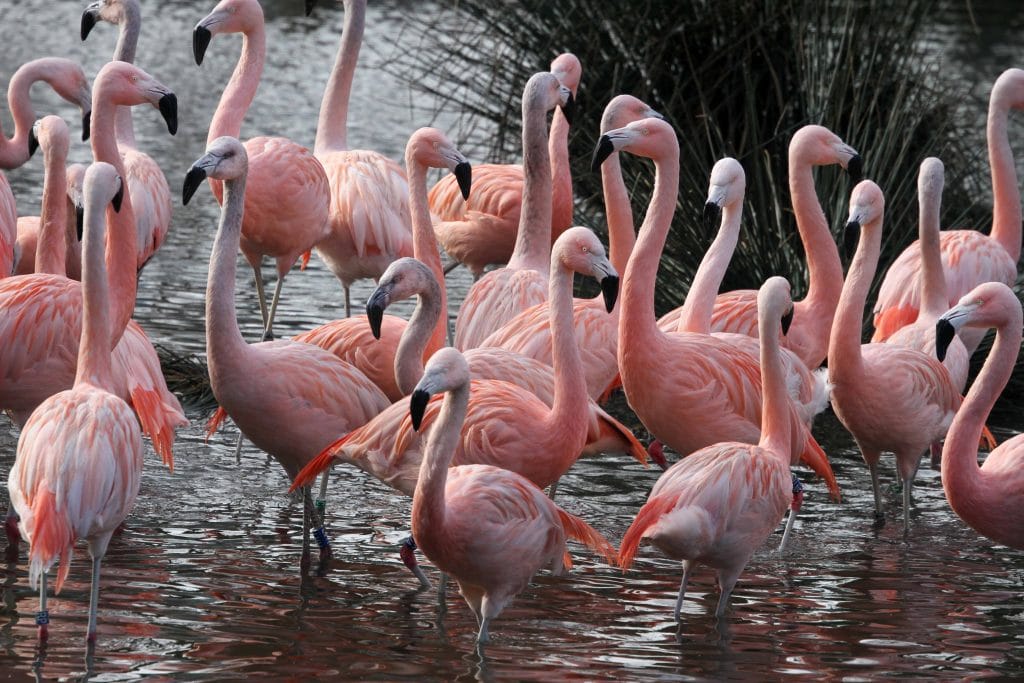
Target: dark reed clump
188, 378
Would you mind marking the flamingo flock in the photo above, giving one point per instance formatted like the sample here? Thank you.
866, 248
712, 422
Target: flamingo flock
475, 431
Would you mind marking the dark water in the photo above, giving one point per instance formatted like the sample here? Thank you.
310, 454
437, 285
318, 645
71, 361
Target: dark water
203, 582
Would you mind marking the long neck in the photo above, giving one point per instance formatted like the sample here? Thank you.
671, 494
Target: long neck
241, 89
94, 355
424, 245
332, 126
121, 247
223, 338
960, 452
561, 172
844, 352
51, 247
411, 348
124, 51
533, 240
700, 301
637, 295
568, 411
14, 151
824, 269
1006, 210
619, 212
775, 422
428, 502
933, 281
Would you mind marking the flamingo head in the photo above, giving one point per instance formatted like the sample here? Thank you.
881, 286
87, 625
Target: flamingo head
567, 68
990, 304
76, 179
111, 11
68, 80
579, 250
102, 183
647, 138
726, 188
867, 204
775, 304
229, 16
225, 159
125, 84
1008, 91
818, 146
446, 370
51, 133
404, 278
623, 110
432, 148
546, 92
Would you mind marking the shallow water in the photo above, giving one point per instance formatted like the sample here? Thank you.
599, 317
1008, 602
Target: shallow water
203, 582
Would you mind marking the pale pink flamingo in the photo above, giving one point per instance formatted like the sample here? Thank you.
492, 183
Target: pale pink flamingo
690, 390
369, 195
286, 208
481, 230
718, 505
79, 461
597, 329
9, 250
736, 311
968, 256
487, 527
989, 498
290, 399
28, 226
890, 398
151, 196
501, 294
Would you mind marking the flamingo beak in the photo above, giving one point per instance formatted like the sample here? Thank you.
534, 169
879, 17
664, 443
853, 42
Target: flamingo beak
464, 177
610, 291
88, 20
944, 333
118, 197
33, 142
569, 109
169, 110
851, 235
201, 38
787, 320
855, 167
712, 215
193, 179
86, 125
418, 406
375, 307
602, 151
79, 221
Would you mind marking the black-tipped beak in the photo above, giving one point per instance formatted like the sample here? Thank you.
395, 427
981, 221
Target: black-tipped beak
169, 110
855, 167
375, 307
944, 333
310, 4
417, 406
787, 320
610, 291
851, 235
603, 150
464, 177
33, 142
86, 125
712, 214
569, 109
193, 179
118, 198
201, 37
79, 221
88, 21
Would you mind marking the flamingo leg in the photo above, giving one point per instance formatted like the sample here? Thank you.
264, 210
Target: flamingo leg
794, 510
442, 586
876, 490
321, 499
43, 615
452, 265
552, 489
726, 582
268, 320
11, 527
238, 449
316, 521
261, 295
907, 485
94, 599
487, 612
790, 520
304, 562
687, 568
348, 301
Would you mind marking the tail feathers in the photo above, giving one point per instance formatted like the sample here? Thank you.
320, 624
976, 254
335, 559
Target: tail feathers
216, 420
305, 258
649, 515
52, 537
892, 319
610, 389
615, 437
158, 420
814, 457
321, 462
578, 530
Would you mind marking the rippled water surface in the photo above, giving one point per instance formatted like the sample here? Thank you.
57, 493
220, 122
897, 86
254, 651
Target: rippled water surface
203, 581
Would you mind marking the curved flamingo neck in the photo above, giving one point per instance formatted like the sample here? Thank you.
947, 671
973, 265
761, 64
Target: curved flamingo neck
224, 342
428, 501
533, 239
332, 125
561, 173
51, 245
424, 244
700, 301
127, 42
94, 357
775, 422
933, 280
568, 410
844, 351
419, 331
960, 452
14, 151
241, 89
618, 212
1006, 208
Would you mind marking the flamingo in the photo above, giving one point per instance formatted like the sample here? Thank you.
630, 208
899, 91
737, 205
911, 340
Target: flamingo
290, 399
501, 294
151, 195
736, 311
482, 231
286, 210
890, 398
989, 498
690, 390
968, 256
28, 226
718, 505
528, 333
487, 527
79, 460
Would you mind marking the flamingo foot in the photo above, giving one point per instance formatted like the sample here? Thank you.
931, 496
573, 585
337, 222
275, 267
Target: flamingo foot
408, 555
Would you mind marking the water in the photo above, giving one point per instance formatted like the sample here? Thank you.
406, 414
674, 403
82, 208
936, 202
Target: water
203, 582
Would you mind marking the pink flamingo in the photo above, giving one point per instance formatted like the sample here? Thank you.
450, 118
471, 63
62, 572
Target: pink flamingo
9, 249
286, 209
290, 399
989, 498
79, 461
718, 505
597, 330
487, 527
497, 297
351, 339
736, 311
29, 226
151, 196
890, 398
968, 256
480, 231
690, 390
